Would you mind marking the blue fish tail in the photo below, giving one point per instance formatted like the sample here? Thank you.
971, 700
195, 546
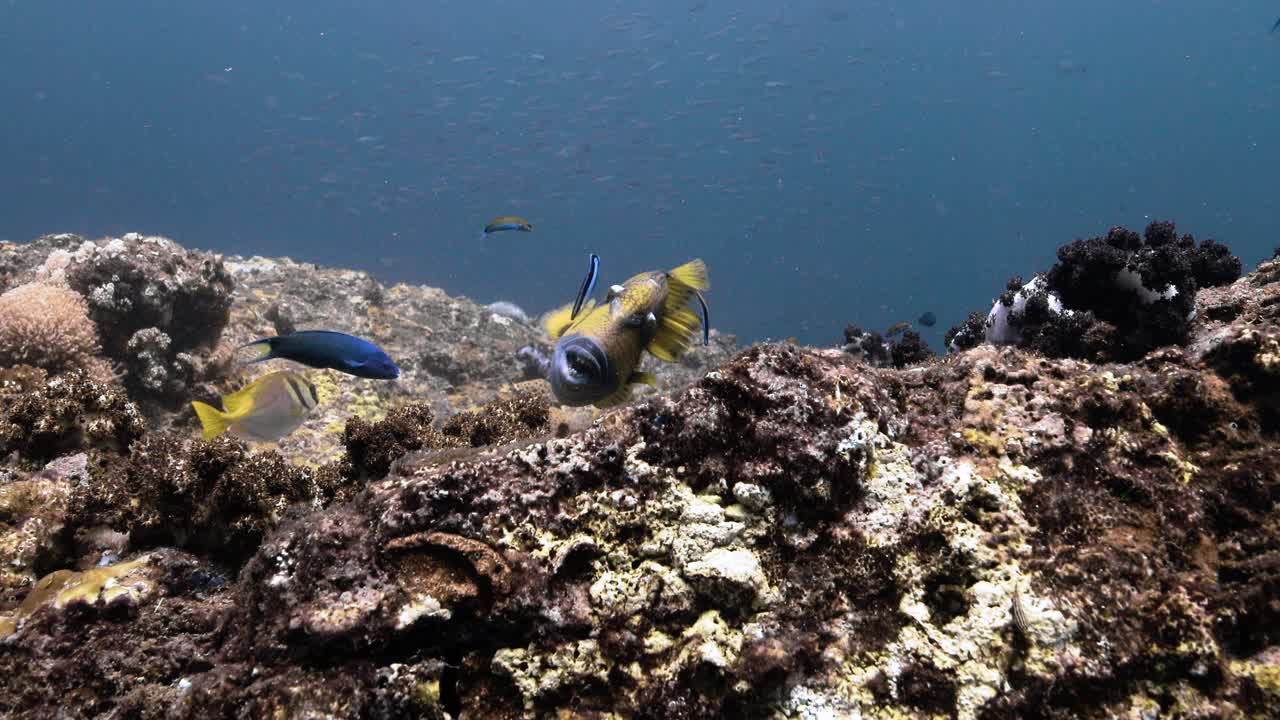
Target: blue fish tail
266, 346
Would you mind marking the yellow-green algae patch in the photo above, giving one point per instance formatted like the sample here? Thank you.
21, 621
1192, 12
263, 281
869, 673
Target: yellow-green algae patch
99, 586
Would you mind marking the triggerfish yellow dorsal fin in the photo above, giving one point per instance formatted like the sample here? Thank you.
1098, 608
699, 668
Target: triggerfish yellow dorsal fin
679, 323
558, 321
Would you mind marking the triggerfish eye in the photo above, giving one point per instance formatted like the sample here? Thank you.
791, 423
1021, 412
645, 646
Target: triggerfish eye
580, 372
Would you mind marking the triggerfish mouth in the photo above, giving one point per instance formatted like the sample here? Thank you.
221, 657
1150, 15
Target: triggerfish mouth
508, 222
598, 348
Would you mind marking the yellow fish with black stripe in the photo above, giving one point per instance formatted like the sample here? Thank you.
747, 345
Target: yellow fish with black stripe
267, 409
599, 346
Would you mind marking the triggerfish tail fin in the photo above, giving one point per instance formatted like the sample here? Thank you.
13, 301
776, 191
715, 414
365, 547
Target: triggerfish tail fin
588, 285
264, 348
706, 318
676, 331
212, 420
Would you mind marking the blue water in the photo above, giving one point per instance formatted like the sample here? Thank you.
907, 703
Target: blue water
833, 162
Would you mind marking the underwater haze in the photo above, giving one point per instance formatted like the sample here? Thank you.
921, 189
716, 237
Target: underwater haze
832, 161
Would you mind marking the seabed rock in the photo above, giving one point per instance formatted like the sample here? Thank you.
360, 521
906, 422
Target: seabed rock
797, 534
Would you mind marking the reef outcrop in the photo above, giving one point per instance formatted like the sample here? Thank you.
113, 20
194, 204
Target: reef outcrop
158, 307
1109, 298
797, 534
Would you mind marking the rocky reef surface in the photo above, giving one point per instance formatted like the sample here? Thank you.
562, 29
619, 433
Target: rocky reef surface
797, 533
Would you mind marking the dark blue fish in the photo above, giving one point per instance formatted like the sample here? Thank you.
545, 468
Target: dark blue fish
588, 285
328, 349
928, 319
1276, 26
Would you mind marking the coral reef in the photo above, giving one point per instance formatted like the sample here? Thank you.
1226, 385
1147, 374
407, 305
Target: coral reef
875, 349
796, 534
158, 308
98, 617
42, 417
372, 448
210, 497
48, 326
1110, 298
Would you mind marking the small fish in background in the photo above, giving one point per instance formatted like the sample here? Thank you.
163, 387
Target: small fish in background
507, 222
1068, 66
1276, 27
597, 356
328, 350
897, 329
928, 319
266, 410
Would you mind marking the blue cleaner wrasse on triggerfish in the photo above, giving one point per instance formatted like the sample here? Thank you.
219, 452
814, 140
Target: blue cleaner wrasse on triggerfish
508, 222
266, 409
588, 286
328, 349
598, 350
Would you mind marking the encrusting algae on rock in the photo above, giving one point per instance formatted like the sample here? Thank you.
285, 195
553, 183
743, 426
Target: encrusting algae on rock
126, 581
993, 534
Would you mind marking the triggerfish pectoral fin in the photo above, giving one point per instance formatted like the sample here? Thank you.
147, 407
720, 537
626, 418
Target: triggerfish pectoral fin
588, 285
676, 331
213, 421
674, 335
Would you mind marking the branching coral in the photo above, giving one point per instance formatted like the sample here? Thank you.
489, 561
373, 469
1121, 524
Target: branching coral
154, 303
41, 418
